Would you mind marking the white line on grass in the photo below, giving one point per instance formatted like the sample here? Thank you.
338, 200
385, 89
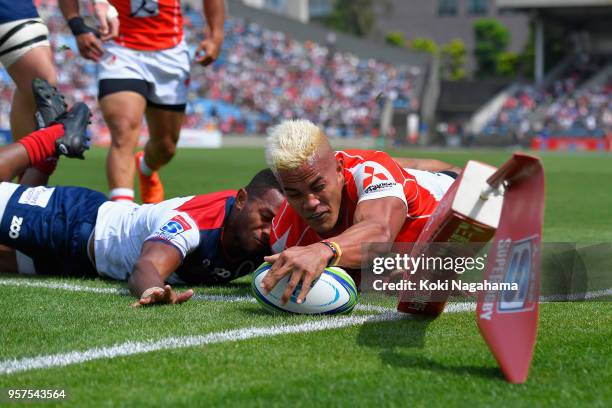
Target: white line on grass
132, 347
238, 298
113, 291
118, 291
63, 286
577, 296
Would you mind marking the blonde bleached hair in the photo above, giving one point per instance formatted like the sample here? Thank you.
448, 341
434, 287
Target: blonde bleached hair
293, 143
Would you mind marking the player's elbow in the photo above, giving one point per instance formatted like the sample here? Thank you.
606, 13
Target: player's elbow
383, 233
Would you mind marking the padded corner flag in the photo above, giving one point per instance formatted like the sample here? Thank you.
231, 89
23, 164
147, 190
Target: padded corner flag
508, 319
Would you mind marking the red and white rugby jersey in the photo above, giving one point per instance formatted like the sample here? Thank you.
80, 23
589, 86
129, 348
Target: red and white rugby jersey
149, 25
193, 225
368, 175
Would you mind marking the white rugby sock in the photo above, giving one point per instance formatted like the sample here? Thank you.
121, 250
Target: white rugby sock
121, 194
144, 169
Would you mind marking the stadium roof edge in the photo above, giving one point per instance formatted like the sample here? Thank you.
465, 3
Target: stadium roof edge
312, 31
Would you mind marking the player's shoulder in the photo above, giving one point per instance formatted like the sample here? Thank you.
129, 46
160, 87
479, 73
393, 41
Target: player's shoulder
209, 211
362, 166
355, 158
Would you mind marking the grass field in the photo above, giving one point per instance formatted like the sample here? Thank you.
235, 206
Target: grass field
222, 349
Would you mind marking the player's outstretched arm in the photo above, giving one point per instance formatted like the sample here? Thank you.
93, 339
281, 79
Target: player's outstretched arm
426, 164
156, 263
377, 220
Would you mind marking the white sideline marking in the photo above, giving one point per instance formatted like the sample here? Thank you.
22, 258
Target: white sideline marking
63, 286
238, 298
113, 291
578, 296
117, 291
132, 347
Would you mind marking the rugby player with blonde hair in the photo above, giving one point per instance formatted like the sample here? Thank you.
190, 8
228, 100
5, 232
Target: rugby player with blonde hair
338, 200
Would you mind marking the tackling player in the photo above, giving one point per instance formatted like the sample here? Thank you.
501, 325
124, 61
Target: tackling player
74, 231
336, 201
143, 72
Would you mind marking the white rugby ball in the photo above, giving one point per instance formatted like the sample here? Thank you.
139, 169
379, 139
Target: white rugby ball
333, 293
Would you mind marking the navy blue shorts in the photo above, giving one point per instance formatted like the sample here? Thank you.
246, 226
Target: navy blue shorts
11, 10
51, 225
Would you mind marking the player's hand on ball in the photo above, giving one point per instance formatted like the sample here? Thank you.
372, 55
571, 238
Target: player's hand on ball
162, 296
304, 263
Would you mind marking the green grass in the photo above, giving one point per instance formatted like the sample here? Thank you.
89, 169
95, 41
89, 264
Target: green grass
401, 363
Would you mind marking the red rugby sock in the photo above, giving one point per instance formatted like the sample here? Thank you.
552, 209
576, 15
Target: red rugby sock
40, 144
48, 165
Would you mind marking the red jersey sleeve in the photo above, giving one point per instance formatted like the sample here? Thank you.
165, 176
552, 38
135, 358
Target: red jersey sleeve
377, 175
288, 230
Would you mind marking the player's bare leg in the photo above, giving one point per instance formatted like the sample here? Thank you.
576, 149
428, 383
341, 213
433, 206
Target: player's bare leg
36, 63
164, 129
14, 161
123, 112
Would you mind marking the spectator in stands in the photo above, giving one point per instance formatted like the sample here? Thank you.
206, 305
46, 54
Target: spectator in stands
569, 109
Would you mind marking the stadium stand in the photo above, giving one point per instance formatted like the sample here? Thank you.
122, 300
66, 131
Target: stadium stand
569, 105
262, 76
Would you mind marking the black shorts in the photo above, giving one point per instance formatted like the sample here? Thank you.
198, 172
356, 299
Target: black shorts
140, 86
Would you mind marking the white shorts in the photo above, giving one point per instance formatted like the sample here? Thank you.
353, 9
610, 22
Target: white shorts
436, 183
19, 37
166, 72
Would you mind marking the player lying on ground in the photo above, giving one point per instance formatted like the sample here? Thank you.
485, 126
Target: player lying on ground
74, 231
336, 201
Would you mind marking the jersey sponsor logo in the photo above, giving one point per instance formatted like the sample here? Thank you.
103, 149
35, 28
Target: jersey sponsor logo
371, 174
15, 227
372, 188
36, 196
174, 226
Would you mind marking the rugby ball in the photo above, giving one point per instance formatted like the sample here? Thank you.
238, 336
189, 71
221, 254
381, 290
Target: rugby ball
333, 293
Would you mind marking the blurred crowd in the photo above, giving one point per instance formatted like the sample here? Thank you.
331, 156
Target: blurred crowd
564, 108
270, 76
261, 77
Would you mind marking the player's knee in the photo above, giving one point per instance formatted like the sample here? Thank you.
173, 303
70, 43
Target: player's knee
122, 127
166, 148
122, 143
